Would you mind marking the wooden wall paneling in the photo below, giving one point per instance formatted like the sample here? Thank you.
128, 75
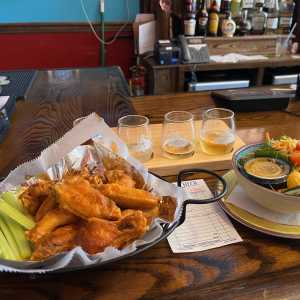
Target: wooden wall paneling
61, 27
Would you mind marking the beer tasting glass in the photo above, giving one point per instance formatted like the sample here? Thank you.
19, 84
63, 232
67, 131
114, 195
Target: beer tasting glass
135, 132
178, 136
217, 133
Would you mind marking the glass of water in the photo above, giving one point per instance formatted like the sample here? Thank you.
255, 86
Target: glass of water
135, 132
178, 137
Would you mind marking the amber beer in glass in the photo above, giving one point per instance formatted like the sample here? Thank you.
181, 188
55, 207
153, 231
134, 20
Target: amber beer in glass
217, 133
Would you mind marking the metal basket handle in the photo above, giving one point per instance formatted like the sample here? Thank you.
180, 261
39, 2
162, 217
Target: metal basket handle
195, 201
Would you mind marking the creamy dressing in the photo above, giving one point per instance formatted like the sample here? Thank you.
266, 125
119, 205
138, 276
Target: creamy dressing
264, 167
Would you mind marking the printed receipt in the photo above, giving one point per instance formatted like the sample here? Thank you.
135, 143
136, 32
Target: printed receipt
206, 225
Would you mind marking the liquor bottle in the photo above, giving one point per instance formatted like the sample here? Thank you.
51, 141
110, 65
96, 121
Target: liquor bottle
268, 5
271, 9
228, 25
189, 19
202, 19
225, 7
235, 8
236, 13
258, 19
286, 10
245, 24
260, 2
248, 4
213, 19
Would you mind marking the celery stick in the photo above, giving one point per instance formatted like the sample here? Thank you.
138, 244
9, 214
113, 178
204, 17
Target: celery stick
12, 199
7, 253
10, 239
18, 232
1, 252
16, 215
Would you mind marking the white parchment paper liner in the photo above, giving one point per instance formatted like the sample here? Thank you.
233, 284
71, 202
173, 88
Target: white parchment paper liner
67, 153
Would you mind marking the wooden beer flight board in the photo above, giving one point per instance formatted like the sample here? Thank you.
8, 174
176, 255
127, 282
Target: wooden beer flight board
163, 166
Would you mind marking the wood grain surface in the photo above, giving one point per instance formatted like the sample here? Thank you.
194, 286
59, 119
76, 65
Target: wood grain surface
163, 166
261, 267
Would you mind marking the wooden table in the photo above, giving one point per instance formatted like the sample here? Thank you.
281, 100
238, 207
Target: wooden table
261, 267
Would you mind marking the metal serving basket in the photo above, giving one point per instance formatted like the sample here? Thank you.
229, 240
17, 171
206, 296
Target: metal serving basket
218, 188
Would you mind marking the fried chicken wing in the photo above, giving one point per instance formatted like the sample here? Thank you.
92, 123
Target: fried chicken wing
94, 177
126, 197
115, 162
48, 204
60, 240
96, 234
35, 194
78, 196
133, 225
151, 213
52, 220
120, 177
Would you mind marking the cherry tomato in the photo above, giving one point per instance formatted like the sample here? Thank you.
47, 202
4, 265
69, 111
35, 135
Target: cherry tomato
295, 158
298, 146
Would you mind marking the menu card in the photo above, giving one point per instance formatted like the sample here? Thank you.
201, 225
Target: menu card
206, 225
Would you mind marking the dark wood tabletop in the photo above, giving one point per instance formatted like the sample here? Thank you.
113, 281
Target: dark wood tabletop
261, 267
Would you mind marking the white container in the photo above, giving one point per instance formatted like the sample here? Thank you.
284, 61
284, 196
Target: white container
267, 198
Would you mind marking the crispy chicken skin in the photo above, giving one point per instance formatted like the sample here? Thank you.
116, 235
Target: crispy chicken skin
78, 196
60, 240
120, 177
48, 204
35, 194
96, 234
133, 225
126, 197
92, 176
118, 163
52, 220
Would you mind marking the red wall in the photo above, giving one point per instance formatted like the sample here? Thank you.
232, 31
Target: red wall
61, 50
